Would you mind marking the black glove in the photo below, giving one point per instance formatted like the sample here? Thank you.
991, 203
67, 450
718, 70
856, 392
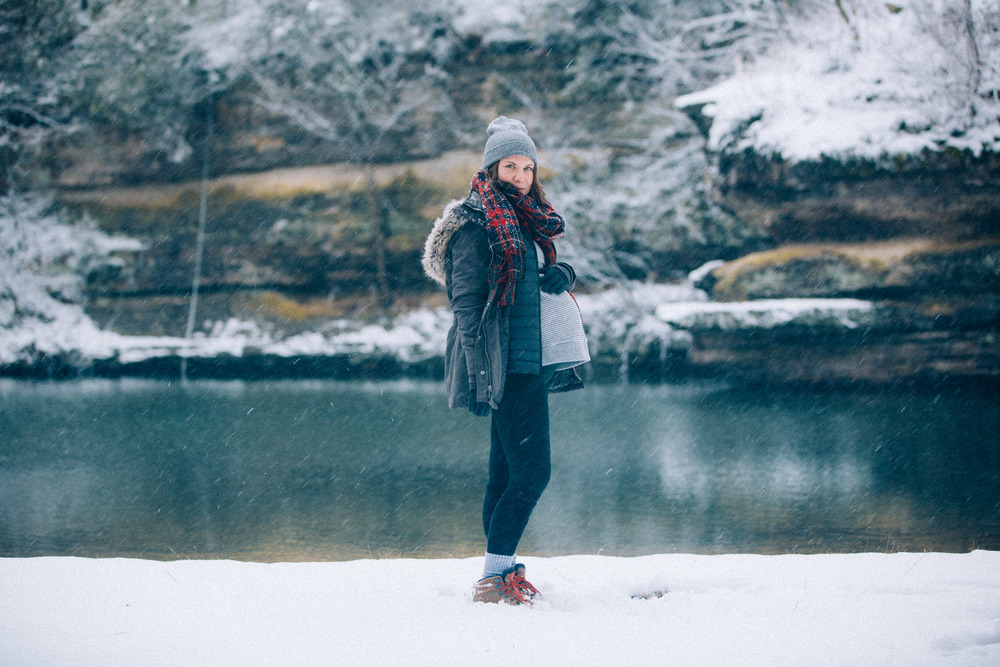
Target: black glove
554, 279
475, 407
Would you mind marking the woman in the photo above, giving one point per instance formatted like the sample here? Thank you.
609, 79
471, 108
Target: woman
484, 250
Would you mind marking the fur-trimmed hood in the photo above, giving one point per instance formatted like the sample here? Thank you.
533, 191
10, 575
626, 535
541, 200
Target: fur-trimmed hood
452, 219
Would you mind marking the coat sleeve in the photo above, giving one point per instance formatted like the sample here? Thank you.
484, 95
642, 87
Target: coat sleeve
466, 268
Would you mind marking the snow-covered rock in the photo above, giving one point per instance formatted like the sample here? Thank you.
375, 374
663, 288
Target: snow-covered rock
768, 313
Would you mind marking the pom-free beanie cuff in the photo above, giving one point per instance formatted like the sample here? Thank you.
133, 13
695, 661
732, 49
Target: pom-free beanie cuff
507, 137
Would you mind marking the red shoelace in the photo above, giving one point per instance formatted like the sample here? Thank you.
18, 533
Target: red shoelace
509, 588
524, 585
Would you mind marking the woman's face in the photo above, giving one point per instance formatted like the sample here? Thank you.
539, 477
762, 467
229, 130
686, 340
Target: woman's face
518, 170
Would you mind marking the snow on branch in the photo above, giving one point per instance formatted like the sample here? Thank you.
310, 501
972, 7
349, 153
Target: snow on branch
889, 81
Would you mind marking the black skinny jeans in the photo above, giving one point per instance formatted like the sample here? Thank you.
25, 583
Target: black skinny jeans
520, 463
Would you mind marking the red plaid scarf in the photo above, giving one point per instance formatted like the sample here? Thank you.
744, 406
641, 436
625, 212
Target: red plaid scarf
504, 207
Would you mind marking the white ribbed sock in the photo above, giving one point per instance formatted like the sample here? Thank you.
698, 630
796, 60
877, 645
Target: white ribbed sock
495, 564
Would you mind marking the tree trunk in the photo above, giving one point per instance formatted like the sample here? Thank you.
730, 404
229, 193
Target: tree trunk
382, 231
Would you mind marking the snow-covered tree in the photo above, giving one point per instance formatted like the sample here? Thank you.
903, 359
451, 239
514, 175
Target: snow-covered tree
867, 79
359, 77
634, 49
966, 39
44, 261
35, 35
133, 70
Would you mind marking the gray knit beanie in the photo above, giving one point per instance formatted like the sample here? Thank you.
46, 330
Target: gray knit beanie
507, 137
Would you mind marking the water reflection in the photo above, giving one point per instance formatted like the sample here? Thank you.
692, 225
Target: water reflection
714, 470
323, 470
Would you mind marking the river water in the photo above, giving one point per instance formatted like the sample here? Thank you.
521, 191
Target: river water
337, 470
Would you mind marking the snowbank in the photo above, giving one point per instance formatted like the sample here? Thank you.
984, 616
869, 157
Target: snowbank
886, 609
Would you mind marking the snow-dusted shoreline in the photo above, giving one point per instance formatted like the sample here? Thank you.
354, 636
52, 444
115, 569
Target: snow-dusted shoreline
647, 331
42, 317
851, 609
615, 319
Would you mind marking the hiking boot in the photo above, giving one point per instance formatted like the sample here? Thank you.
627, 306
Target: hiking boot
510, 588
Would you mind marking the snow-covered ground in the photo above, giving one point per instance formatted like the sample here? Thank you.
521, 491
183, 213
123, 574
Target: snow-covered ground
851, 609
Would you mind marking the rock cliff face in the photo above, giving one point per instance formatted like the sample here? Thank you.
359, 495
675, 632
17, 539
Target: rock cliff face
292, 248
922, 241
285, 245
946, 195
290, 244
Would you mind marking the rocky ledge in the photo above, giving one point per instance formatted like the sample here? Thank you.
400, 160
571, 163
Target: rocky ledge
918, 238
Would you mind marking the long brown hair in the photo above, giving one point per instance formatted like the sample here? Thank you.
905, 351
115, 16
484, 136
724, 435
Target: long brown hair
536, 191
